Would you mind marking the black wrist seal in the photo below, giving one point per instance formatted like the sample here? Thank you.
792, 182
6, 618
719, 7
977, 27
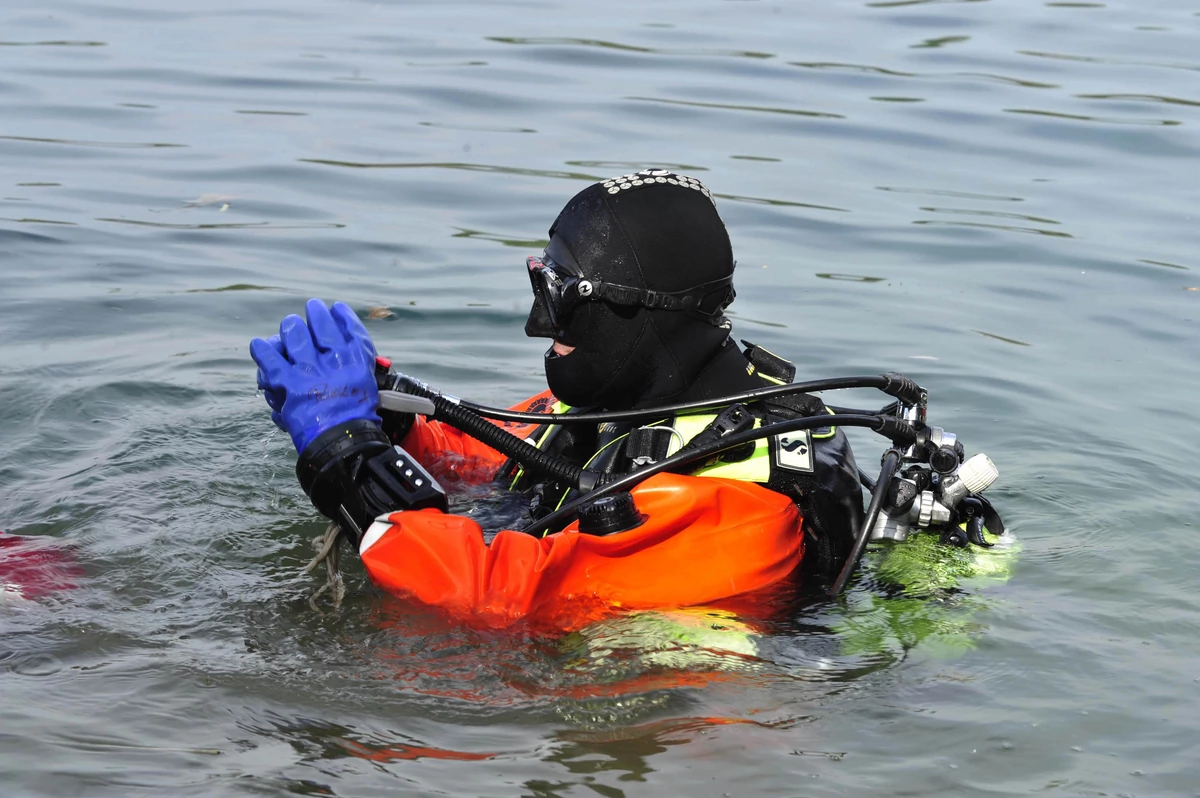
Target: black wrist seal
353, 474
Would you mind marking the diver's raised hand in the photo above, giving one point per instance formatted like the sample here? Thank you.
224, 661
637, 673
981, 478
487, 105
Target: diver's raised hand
317, 374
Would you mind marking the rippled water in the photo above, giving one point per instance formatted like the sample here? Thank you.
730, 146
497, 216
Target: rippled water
998, 198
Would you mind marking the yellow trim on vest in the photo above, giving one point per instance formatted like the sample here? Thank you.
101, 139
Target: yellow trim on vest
755, 468
832, 430
545, 437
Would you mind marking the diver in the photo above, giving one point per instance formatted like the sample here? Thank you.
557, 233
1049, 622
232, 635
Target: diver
631, 291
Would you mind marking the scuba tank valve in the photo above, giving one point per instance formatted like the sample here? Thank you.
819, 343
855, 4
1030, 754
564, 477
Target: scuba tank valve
972, 477
927, 498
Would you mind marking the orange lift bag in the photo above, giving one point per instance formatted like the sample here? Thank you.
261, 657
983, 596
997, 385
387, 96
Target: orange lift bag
704, 539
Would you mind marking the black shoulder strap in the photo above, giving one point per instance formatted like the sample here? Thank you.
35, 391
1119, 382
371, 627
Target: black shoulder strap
769, 363
803, 404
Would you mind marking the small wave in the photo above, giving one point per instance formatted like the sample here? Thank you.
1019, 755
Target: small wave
227, 225
115, 145
732, 107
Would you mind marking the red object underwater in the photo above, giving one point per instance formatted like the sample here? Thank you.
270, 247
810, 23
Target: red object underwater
32, 567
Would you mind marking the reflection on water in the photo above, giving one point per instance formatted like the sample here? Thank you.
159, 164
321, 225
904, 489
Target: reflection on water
468, 167
853, 278
629, 48
508, 241
222, 226
730, 107
629, 166
1002, 338
177, 180
1007, 227
1083, 118
1099, 60
107, 144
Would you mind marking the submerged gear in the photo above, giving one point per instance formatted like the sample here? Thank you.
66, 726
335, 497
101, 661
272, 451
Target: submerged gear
32, 567
659, 235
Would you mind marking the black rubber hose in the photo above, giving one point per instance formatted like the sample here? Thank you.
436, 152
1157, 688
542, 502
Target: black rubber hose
891, 461
891, 384
461, 416
887, 410
529, 456
884, 425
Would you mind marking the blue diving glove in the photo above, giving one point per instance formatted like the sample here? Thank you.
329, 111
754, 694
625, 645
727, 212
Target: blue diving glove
318, 374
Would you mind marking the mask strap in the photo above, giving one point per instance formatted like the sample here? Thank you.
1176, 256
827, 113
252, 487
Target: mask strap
686, 300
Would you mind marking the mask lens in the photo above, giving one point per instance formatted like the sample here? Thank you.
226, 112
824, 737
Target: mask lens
551, 288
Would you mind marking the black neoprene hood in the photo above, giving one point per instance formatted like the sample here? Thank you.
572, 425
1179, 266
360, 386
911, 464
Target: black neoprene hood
653, 230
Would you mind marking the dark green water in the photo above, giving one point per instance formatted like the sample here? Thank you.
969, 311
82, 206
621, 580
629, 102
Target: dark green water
997, 198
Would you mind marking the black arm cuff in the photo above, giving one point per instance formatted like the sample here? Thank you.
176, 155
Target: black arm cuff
329, 470
353, 474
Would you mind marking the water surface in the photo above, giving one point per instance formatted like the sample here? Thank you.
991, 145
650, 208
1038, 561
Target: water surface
997, 198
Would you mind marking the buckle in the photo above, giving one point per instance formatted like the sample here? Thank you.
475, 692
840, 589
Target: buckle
647, 445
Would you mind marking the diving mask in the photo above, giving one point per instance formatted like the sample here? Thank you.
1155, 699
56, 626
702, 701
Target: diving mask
559, 288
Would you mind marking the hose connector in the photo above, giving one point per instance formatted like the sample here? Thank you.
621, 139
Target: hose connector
897, 430
905, 389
